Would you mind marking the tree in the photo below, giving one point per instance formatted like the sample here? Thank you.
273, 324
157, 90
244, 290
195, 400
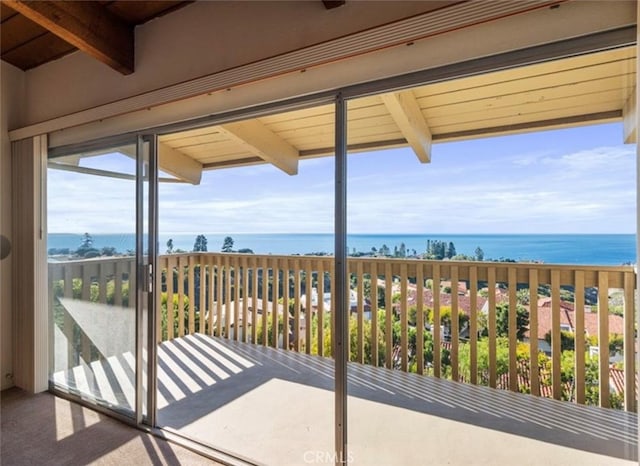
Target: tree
87, 241
502, 320
402, 252
170, 246
451, 250
567, 340
227, 244
108, 251
482, 349
201, 244
523, 296
438, 250
86, 248
479, 254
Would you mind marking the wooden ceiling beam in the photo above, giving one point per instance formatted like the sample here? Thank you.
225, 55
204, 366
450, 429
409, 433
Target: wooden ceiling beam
178, 164
85, 25
629, 119
261, 141
406, 113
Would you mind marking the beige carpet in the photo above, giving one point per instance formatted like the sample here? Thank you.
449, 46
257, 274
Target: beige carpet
46, 430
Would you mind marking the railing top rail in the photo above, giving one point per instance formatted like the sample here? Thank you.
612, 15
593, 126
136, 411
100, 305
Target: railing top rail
449, 262
379, 260
99, 259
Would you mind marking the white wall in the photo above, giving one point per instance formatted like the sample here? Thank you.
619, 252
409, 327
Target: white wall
200, 39
12, 98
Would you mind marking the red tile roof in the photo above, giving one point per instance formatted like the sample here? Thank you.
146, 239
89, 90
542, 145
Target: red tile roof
464, 301
567, 317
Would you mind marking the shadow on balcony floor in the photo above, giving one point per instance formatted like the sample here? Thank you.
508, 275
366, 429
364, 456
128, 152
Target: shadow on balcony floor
277, 406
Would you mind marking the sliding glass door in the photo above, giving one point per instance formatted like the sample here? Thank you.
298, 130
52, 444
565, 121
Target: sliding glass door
99, 262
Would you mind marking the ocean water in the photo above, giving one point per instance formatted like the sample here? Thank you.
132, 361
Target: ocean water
554, 249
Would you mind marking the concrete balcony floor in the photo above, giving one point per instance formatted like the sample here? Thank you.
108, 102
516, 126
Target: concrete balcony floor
276, 407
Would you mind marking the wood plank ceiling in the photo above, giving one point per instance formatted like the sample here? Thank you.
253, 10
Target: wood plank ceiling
27, 43
579, 90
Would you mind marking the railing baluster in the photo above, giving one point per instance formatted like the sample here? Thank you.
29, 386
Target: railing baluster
513, 329
473, 324
437, 336
347, 287
556, 348
170, 291
579, 337
275, 305
491, 318
202, 309
254, 310
68, 282
332, 284
86, 283
603, 337
455, 323
534, 371
117, 284
360, 311
102, 283
404, 324
181, 296
308, 312
236, 298
374, 314
265, 302
227, 298
388, 304
219, 295
296, 305
629, 343
86, 296
320, 314
245, 300
420, 318
132, 283
286, 317
68, 321
191, 295
157, 286
211, 302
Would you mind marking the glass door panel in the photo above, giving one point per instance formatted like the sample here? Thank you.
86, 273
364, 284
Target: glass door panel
245, 364
491, 286
92, 276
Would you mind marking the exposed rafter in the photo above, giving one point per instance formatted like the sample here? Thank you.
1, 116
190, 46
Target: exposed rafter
85, 25
629, 119
405, 111
178, 164
261, 141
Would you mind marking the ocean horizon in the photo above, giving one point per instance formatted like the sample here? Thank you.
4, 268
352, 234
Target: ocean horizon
595, 249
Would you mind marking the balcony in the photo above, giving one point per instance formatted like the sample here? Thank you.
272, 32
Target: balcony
250, 336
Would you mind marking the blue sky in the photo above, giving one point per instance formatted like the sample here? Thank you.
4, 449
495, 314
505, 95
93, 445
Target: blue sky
579, 180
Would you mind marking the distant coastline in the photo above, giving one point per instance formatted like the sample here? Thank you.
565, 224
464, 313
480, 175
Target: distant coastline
595, 249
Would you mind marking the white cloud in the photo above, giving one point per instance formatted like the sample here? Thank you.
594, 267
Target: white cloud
461, 191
